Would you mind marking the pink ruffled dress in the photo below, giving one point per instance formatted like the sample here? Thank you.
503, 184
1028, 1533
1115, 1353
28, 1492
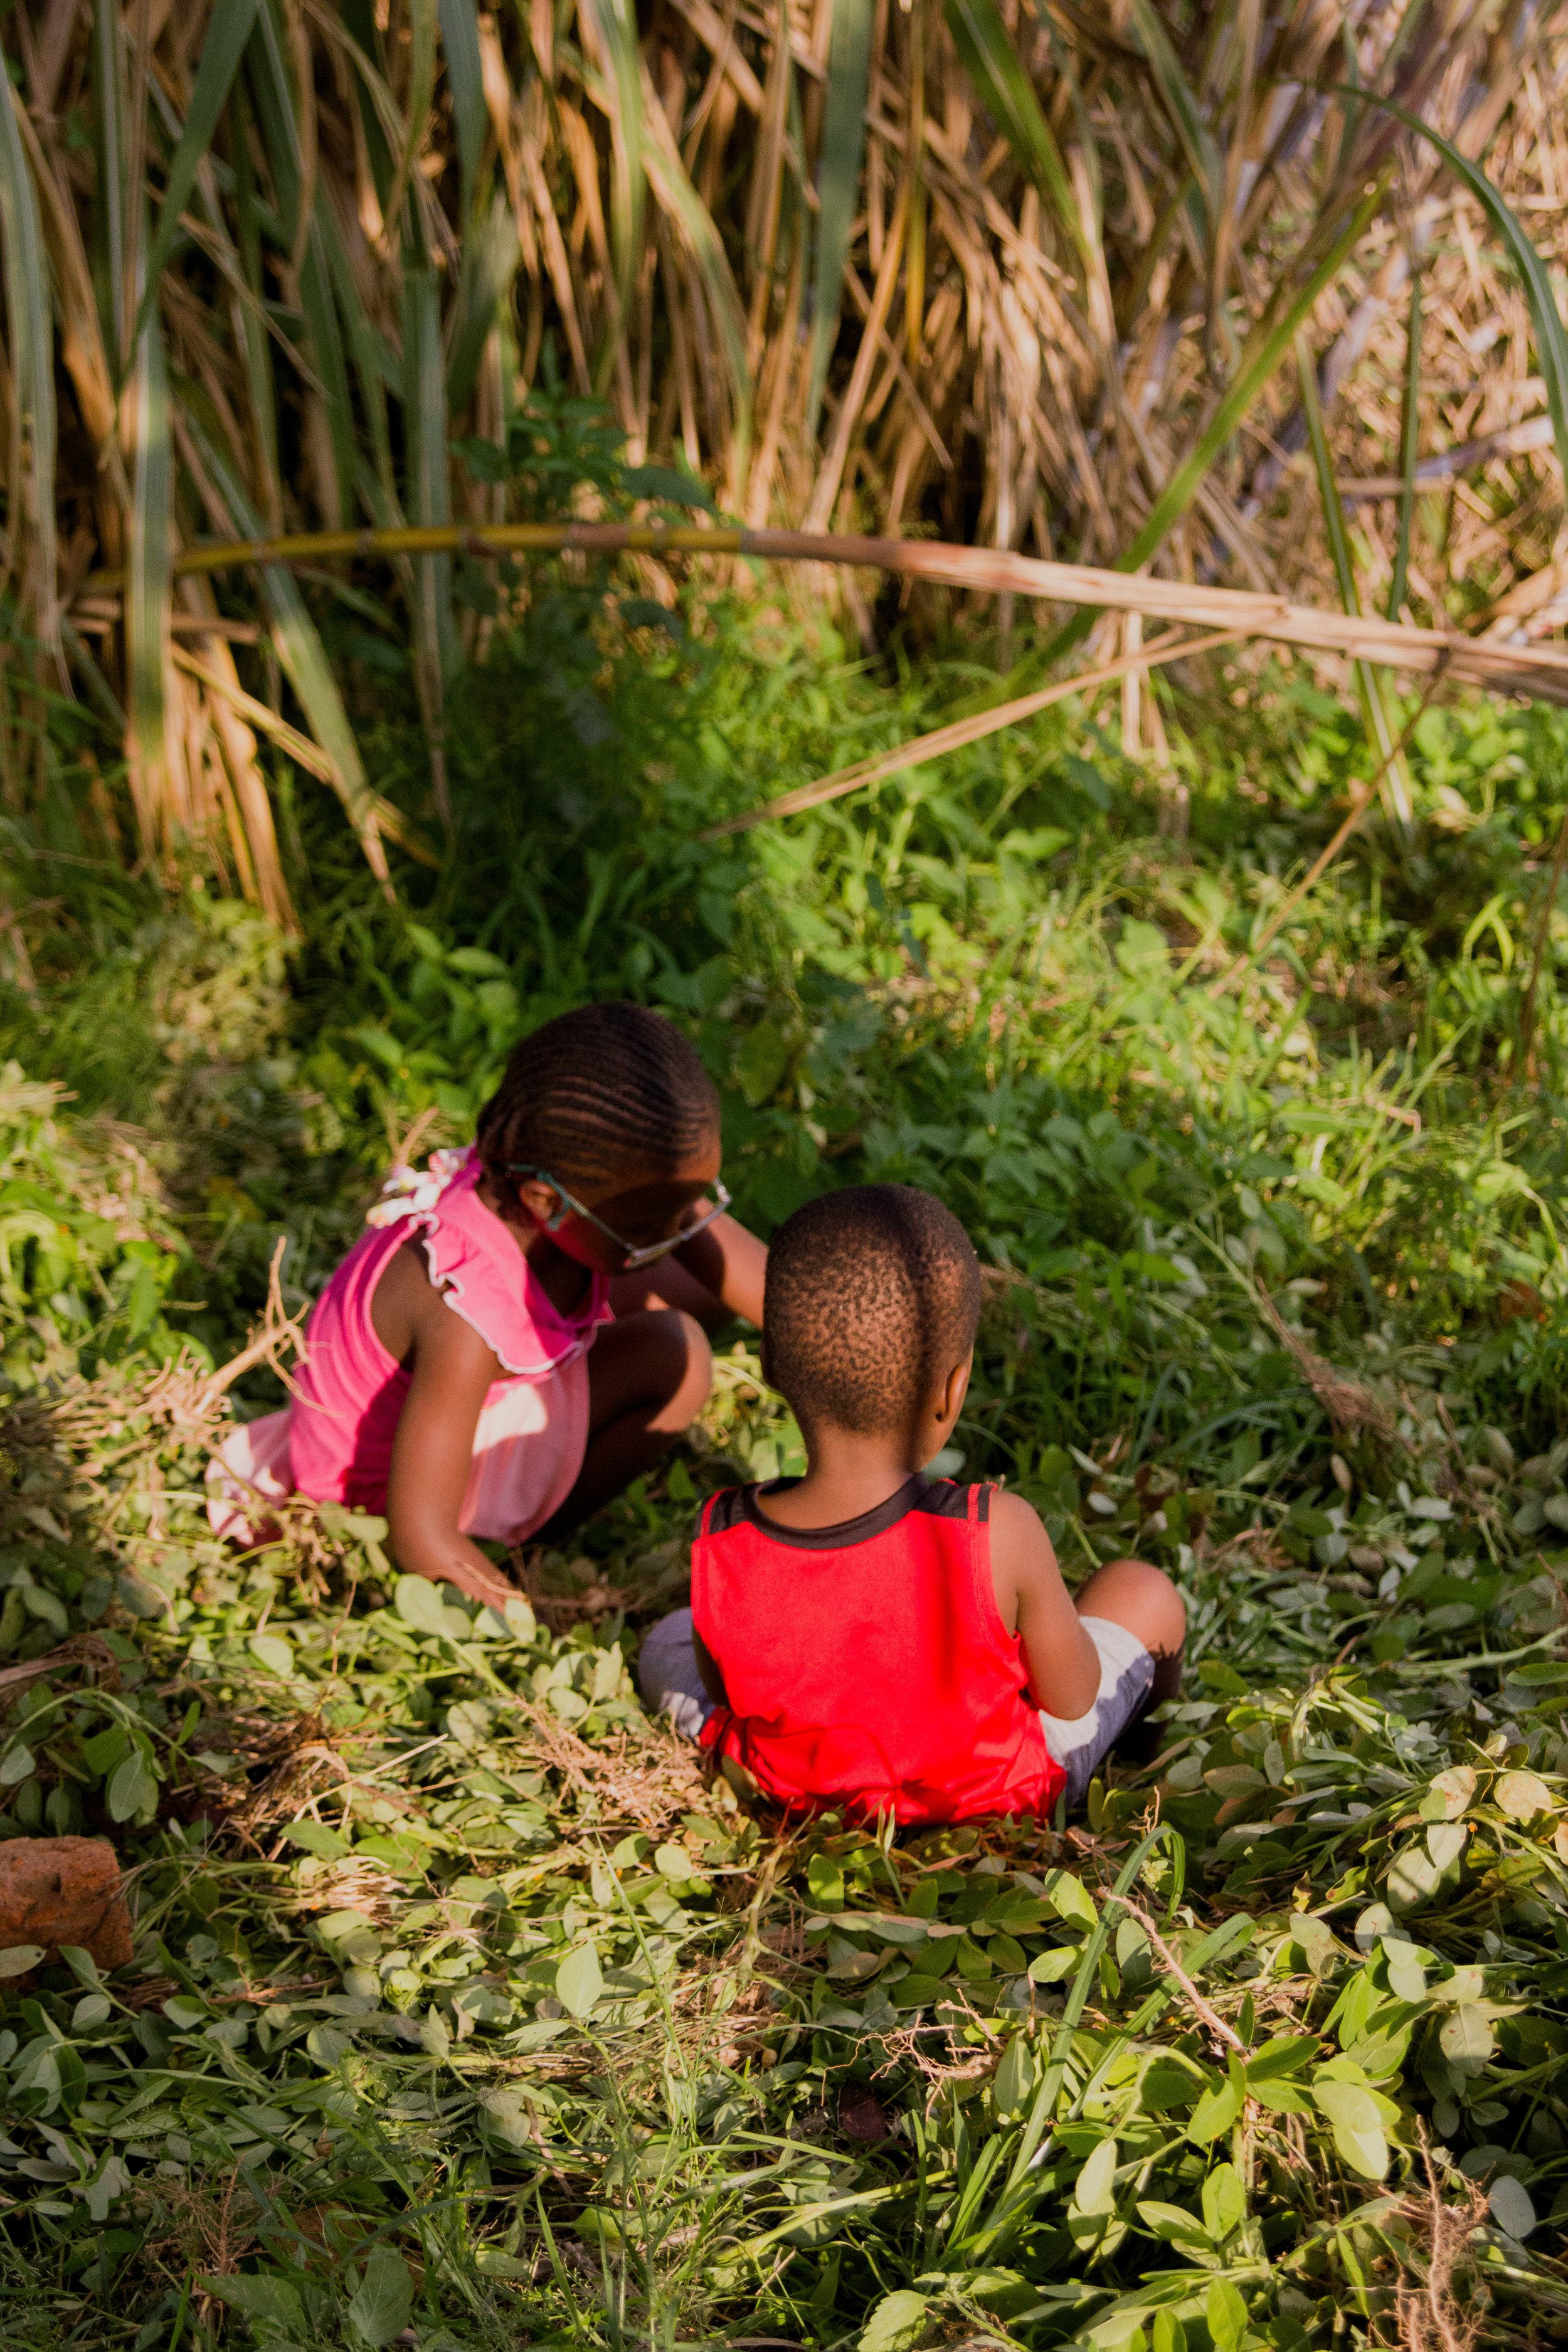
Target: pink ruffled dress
334, 1441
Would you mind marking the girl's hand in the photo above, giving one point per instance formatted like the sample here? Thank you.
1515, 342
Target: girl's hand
717, 1274
451, 1369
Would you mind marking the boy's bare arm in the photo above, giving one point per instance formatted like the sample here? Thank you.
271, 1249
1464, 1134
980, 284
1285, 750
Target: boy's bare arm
1062, 1660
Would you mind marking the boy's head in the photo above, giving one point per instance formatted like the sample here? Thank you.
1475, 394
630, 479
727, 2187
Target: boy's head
872, 1299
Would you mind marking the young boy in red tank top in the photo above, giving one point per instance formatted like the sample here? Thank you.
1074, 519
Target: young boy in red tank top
867, 1638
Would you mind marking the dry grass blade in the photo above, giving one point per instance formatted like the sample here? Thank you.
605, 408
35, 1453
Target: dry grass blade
1351, 1406
1539, 671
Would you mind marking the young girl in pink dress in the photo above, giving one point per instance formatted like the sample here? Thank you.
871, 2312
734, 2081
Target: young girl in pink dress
494, 1359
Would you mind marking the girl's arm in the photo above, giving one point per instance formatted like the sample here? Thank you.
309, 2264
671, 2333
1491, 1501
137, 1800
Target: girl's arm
717, 1274
730, 1262
1063, 1662
431, 1454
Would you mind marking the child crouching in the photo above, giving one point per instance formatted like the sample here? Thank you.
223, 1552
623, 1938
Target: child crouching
867, 1638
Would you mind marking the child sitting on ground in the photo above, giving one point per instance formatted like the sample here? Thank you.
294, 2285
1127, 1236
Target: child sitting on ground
493, 1361
864, 1637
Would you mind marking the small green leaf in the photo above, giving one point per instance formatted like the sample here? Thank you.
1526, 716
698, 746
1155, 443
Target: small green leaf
1446, 1841
379, 2309
419, 1604
315, 1837
1224, 2202
1520, 1795
132, 1789
17, 1766
579, 1980
1353, 2115
17, 1958
1511, 2207
1467, 2039
1226, 2312
1014, 2077
1095, 2191
270, 1650
1215, 2112
898, 2323
826, 1880
1070, 1900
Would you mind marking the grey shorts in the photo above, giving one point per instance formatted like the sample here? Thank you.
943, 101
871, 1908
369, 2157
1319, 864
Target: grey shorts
672, 1684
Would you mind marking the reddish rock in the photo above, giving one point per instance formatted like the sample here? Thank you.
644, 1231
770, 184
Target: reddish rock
56, 1890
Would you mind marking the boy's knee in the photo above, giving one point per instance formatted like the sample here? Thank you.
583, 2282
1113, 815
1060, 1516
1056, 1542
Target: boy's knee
1142, 1597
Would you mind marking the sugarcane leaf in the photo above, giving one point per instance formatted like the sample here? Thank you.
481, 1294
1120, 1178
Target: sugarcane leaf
1394, 781
465, 83
490, 256
981, 37
672, 184
31, 340
837, 181
1185, 112
613, 28
1409, 450
228, 34
149, 585
302, 655
1551, 337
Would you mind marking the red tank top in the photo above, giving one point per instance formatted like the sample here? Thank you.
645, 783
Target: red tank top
867, 1665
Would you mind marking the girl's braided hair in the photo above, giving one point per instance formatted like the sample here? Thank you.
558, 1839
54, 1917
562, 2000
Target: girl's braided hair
608, 1090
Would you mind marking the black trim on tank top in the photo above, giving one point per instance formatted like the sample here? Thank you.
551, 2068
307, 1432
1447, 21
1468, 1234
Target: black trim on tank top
726, 1512
938, 1498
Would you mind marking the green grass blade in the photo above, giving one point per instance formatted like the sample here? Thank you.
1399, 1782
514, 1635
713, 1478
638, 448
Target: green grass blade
1409, 446
1005, 90
227, 34
1551, 338
1394, 784
838, 182
1270, 339
1333, 510
465, 84
490, 256
32, 356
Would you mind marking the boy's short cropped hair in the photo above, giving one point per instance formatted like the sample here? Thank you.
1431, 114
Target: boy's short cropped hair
873, 1295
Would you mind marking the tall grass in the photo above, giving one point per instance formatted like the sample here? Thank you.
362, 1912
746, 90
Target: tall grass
1028, 277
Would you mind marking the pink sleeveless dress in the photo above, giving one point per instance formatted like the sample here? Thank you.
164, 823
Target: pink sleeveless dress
334, 1441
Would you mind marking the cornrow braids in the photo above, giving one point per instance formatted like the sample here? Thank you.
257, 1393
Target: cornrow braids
608, 1090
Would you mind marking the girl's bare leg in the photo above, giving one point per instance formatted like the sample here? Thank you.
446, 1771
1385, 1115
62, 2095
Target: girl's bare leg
648, 1378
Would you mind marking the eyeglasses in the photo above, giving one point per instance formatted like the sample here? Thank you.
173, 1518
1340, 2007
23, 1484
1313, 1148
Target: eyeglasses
632, 1257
